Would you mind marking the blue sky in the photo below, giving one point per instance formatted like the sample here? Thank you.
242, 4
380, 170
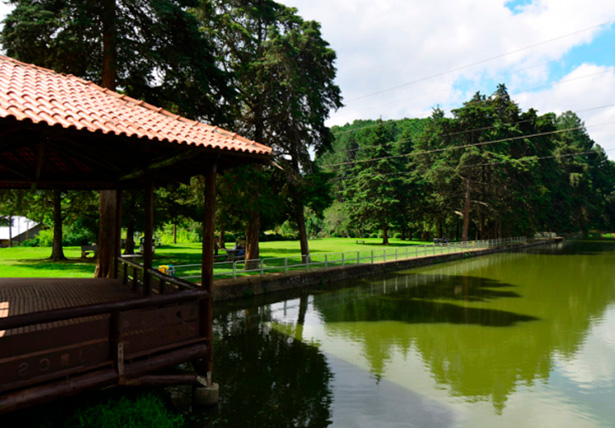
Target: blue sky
553, 55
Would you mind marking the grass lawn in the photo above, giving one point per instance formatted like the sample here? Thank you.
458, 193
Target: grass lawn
191, 253
33, 262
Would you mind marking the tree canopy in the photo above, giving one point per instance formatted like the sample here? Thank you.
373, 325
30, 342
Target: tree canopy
490, 170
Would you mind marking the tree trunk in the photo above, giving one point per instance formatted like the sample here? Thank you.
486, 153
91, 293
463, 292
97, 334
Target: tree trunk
466, 212
10, 231
303, 307
299, 214
385, 236
252, 232
130, 238
303, 238
481, 223
109, 72
107, 245
57, 252
403, 233
221, 241
174, 233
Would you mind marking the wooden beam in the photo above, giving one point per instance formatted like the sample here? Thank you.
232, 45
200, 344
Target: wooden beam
96, 157
166, 380
96, 379
148, 254
182, 156
21, 174
40, 161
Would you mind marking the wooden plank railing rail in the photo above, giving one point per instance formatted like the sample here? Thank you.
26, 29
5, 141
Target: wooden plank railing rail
132, 274
64, 314
49, 354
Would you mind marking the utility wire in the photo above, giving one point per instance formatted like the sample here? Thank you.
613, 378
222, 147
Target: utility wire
465, 146
526, 159
513, 94
610, 69
470, 130
481, 61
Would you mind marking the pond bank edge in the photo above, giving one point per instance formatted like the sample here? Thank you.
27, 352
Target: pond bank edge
250, 286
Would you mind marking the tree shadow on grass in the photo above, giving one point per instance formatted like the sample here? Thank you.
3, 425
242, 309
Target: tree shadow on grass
81, 266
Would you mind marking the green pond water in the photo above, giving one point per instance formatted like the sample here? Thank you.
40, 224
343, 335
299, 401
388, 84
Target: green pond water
514, 339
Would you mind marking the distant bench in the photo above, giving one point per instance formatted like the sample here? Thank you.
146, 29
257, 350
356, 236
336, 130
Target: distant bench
87, 249
360, 242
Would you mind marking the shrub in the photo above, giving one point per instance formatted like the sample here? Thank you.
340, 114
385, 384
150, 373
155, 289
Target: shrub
397, 235
145, 411
373, 235
45, 238
30, 242
77, 238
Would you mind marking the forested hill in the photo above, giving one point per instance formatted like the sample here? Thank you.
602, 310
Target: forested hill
488, 170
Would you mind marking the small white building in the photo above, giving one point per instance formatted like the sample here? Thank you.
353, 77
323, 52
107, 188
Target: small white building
22, 229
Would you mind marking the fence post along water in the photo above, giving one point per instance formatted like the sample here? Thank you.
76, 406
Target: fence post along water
237, 268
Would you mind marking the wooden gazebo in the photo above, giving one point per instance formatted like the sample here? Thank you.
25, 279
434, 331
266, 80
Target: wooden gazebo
62, 336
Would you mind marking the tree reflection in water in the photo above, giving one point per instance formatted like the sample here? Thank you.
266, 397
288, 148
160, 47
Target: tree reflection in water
267, 378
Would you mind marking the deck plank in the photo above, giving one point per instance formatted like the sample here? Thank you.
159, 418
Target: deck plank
27, 295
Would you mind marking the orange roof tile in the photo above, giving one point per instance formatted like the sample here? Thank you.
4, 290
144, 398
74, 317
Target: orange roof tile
29, 92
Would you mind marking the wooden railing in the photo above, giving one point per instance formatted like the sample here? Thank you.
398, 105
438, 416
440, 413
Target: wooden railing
63, 351
133, 275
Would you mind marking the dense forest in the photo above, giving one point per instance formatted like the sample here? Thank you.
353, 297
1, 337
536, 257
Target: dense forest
487, 170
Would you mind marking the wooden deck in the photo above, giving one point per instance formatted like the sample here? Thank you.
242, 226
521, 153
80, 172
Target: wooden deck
61, 336
19, 296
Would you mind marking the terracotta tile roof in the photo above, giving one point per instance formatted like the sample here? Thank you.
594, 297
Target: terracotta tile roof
28, 92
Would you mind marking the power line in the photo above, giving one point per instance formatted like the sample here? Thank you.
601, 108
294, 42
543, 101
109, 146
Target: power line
449, 134
469, 130
527, 159
481, 61
465, 146
511, 95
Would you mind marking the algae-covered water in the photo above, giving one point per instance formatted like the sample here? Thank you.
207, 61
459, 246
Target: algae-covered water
513, 339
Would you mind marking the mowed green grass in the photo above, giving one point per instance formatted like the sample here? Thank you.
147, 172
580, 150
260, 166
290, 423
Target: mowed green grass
33, 262
20, 262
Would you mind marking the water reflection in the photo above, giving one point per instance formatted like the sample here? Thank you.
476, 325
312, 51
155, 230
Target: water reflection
513, 333
267, 378
420, 302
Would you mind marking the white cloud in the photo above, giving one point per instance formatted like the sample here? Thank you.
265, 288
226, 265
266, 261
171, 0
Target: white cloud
593, 366
584, 95
388, 43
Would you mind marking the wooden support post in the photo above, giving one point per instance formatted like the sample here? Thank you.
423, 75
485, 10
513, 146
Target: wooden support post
204, 367
148, 254
208, 247
118, 232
